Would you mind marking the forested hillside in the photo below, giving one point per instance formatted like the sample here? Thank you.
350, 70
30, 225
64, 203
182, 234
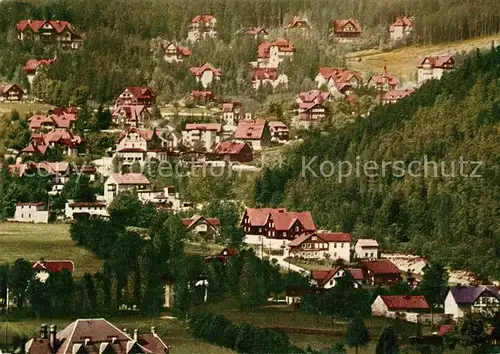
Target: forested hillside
451, 219
118, 34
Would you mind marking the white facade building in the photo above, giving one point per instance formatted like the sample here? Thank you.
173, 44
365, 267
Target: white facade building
32, 212
366, 249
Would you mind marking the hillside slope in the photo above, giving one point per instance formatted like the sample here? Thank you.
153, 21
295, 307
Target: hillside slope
452, 219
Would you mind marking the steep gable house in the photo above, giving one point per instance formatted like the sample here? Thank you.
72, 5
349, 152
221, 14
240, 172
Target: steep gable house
136, 95
130, 116
205, 74
384, 81
380, 272
94, 336
299, 23
339, 81
202, 27
321, 245
51, 32
11, 93
55, 121
254, 132
208, 228
346, 31
272, 54
402, 27
32, 67
60, 138
173, 53
473, 298
433, 67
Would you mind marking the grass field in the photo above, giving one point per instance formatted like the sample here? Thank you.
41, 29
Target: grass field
23, 107
174, 332
48, 241
403, 62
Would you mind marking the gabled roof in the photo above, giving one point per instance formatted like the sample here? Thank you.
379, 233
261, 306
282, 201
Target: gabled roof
143, 133
313, 96
189, 223
392, 95
203, 18
130, 178
33, 64
183, 51
230, 147
131, 113
297, 21
443, 61
203, 95
367, 242
256, 30
265, 74
277, 124
405, 302
322, 276
4, 88
467, 295
384, 77
216, 127
283, 219
36, 25
380, 266
356, 273
338, 25
335, 236
284, 45
140, 92
402, 22
53, 266
199, 70
250, 129
62, 120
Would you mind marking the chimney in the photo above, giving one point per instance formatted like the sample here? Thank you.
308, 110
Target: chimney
52, 338
153, 330
135, 335
43, 331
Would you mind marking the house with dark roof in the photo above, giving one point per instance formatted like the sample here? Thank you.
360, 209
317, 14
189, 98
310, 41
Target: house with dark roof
208, 228
201, 27
406, 307
136, 96
94, 336
254, 132
380, 272
43, 268
49, 32
346, 31
174, 53
234, 151
384, 81
402, 27
321, 245
11, 92
433, 67
472, 298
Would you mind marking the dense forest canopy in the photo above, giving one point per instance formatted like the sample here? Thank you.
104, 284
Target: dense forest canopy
118, 48
451, 219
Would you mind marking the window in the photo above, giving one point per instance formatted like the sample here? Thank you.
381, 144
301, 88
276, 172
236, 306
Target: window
341, 245
335, 254
303, 245
335, 245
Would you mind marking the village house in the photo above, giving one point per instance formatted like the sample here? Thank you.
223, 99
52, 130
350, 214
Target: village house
275, 228
298, 23
392, 96
268, 77
405, 307
32, 212
47, 122
133, 116
136, 145
73, 209
208, 134
136, 96
122, 182
203, 96
473, 298
254, 132
63, 139
43, 269
272, 54
174, 53
366, 248
94, 336
310, 113
433, 67
380, 272
258, 32
340, 82
384, 81
326, 279
234, 151
205, 74
402, 27
208, 228
315, 96
49, 32
32, 67
202, 27
11, 93
279, 131
59, 172
346, 31
232, 112
321, 245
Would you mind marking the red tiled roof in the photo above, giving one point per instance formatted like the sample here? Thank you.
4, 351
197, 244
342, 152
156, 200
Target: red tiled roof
402, 22
405, 302
36, 25
216, 127
152, 342
230, 147
338, 25
130, 178
250, 129
380, 266
335, 236
202, 18
265, 74
131, 113
199, 70
297, 21
443, 61
258, 216
203, 95
444, 330
214, 222
230, 106
53, 266
392, 95
256, 30
4, 88
314, 96
283, 46
356, 273
183, 51
62, 121
322, 276
33, 64
283, 221
143, 133
384, 77
141, 92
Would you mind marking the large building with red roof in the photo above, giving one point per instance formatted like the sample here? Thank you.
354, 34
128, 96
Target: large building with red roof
402, 27
346, 31
130, 116
400, 306
234, 151
321, 245
275, 228
55, 121
136, 95
254, 132
380, 272
272, 54
339, 81
433, 67
50, 32
268, 77
201, 27
384, 81
205, 74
